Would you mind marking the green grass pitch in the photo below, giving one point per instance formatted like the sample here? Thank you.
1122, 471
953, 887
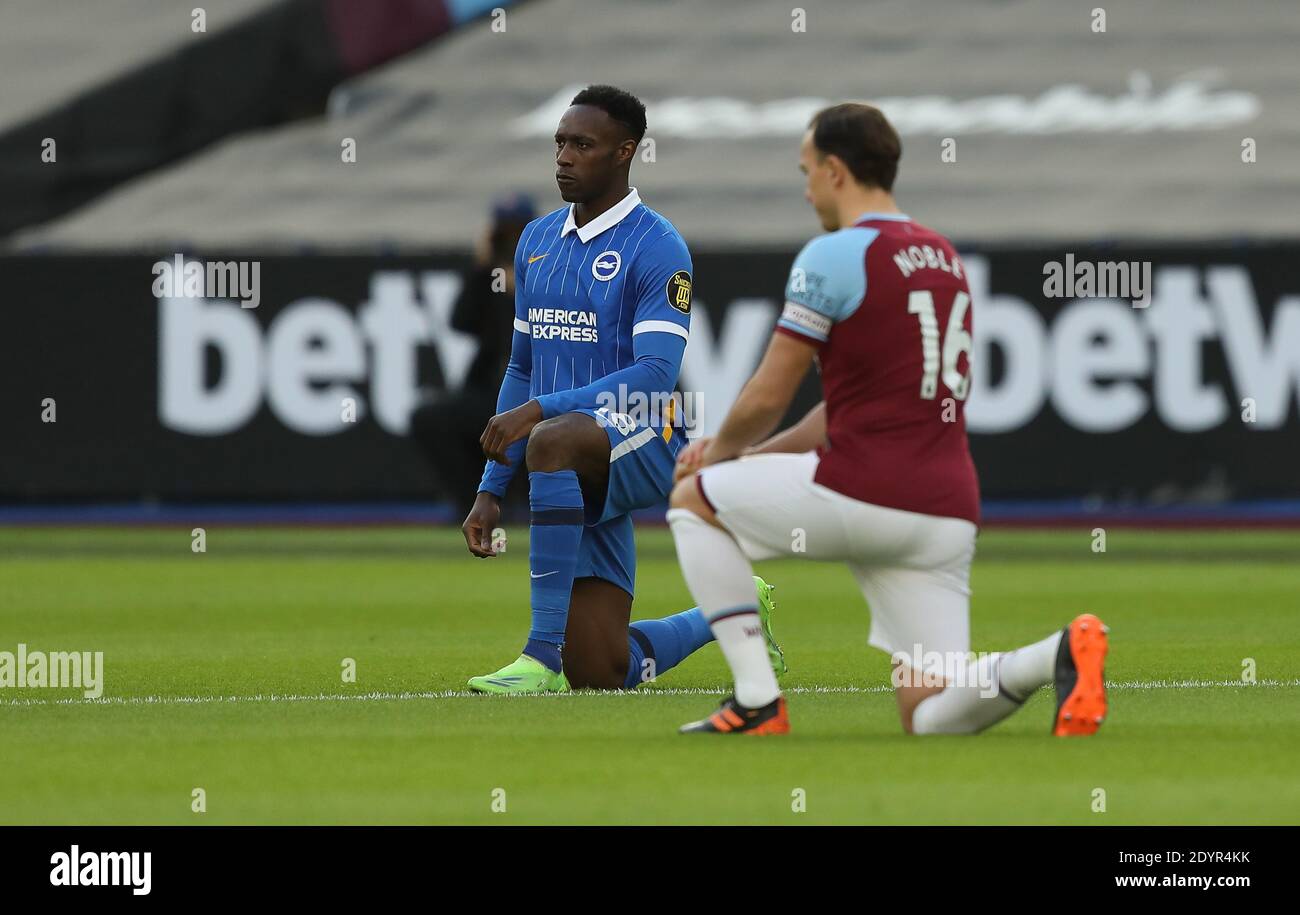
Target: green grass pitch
223, 671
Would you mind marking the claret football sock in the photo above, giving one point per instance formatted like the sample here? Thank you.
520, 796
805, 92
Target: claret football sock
665, 643
722, 580
556, 532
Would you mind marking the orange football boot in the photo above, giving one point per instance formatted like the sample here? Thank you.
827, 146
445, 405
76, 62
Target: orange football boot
1080, 677
734, 718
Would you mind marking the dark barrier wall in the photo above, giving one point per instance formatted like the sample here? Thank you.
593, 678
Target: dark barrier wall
196, 398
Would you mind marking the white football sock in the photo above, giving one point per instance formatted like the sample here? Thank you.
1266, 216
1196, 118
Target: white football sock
741, 640
966, 706
1026, 669
973, 705
722, 582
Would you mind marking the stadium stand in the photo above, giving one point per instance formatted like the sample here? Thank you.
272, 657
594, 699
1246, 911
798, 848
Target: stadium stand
260, 71
53, 52
1110, 135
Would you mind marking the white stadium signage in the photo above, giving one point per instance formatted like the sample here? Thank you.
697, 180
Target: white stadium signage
1099, 364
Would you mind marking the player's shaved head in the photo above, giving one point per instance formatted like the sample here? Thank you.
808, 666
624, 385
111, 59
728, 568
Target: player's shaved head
595, 141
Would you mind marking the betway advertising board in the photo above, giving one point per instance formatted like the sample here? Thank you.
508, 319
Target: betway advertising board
229, 376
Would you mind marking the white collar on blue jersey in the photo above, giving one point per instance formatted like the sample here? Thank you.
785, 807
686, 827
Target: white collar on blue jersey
605, 220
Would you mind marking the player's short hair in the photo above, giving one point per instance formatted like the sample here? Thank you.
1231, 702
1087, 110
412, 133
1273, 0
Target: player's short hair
623, 107
863, 138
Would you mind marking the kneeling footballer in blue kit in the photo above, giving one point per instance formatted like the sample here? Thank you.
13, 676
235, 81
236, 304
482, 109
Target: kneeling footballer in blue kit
602, 318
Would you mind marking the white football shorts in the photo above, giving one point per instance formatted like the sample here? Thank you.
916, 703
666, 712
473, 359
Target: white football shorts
913, 569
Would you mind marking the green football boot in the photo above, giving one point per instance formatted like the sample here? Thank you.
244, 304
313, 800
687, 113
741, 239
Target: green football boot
765, 607
523, 676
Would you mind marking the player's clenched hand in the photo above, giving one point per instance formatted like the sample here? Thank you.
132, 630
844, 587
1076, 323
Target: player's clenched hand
504, 429
479, 524
691, 458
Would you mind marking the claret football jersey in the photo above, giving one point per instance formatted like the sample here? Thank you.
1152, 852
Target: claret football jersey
887, 305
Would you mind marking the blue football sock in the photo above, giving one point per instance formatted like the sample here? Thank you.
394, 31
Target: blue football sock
665, 643
549, 653
557, 520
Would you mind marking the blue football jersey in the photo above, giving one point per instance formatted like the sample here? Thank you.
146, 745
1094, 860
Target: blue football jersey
602, 318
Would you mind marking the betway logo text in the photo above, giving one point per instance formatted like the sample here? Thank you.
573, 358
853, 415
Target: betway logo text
315, 354
1093, 361
1100, 364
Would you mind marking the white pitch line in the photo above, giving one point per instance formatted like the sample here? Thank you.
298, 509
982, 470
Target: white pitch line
681, 691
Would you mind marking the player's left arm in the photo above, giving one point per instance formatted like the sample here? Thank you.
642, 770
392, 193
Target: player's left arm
661, 286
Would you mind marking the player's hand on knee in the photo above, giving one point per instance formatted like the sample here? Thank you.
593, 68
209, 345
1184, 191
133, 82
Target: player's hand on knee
689, 460
504, 429
482, 519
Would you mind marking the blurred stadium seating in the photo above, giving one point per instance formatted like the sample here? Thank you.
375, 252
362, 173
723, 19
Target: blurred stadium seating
1126, 144
1062, 133
54, 52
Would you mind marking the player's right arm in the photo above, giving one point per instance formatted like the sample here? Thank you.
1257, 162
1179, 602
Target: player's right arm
805, 435
827, 283
515, 387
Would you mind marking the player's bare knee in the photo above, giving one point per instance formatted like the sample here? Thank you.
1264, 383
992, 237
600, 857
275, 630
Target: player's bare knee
548, 450
680, 496
905, 719
909, 697
601, 683
686, 495
570, 442
609, 679
594, 676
